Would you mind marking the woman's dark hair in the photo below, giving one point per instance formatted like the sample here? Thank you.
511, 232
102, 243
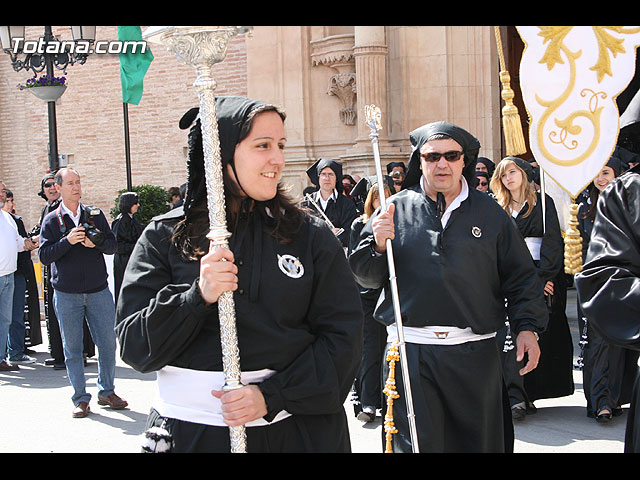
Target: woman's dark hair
594, 193
126, 201
281, 215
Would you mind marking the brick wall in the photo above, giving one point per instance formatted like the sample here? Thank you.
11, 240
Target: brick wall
90, 123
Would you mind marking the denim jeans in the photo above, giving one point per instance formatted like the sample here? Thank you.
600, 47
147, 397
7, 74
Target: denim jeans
15, 347
99, 310
6, 301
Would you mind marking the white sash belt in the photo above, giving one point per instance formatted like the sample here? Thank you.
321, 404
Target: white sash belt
435, 335
186, 395
534, 244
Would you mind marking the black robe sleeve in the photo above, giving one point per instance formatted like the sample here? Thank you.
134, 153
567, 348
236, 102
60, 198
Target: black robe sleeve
609, 284
157, 318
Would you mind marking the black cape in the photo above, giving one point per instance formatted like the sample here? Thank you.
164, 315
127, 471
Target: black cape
609, 284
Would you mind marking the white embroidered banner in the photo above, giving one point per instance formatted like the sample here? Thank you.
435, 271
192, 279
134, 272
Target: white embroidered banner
570, 77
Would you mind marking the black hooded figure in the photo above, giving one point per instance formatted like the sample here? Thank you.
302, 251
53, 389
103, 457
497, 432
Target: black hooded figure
608, 284
339, 209
454, 266
127, 231
491, 167
608, 369
297, 310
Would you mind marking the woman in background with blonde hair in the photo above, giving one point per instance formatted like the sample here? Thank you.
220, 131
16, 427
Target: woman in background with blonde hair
512, 185
367, 387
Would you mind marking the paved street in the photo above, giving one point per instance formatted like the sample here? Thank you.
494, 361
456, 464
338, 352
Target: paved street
36, 415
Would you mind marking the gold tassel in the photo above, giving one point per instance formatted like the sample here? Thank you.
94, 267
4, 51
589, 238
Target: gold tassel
572, 243
513, 135
393, 356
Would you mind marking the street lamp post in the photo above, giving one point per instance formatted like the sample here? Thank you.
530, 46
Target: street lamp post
47, 54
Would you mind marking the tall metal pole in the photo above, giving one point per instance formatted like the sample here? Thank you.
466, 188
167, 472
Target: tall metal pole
372, 117
51, 110
127, 144
202, 47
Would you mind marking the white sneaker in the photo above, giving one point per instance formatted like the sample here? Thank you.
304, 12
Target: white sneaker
24, 359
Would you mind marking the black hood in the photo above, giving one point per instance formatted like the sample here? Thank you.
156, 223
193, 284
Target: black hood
364, 185
48, 176
313, 172
231, 114
470, 146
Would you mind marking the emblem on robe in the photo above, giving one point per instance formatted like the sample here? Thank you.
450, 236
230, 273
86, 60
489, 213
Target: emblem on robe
290, 266
476, 232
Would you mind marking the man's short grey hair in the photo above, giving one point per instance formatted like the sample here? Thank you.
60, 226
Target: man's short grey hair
58, 176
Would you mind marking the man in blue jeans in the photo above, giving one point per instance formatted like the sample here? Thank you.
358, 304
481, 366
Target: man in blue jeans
79, 280
10, 244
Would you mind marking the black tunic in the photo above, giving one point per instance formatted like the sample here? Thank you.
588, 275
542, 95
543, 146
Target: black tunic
441, 269
457, 276
609, 284
127, 231
307, 329
341, 212
554, 375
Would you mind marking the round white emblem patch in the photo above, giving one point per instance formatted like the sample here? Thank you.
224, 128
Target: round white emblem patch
290, 266
476, 232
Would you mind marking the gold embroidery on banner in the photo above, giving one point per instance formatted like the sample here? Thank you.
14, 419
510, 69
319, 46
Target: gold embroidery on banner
608, 45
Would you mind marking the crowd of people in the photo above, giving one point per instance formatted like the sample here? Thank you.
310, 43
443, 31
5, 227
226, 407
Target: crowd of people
478, 253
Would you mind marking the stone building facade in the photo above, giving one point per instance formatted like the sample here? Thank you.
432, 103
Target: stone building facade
323, 76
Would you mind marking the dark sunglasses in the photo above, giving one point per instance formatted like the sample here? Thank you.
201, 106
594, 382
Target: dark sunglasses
484, 184
451, 156
49, 184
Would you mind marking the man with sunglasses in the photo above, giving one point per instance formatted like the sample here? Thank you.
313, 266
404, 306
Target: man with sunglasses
52, 197
397, 171
457, 257
482, 182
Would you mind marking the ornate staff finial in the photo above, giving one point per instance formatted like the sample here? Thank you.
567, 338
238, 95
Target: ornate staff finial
373, 118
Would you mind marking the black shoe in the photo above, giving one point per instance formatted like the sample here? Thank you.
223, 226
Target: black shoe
59, 366
367, 415
603, 416
531, 408
518, 413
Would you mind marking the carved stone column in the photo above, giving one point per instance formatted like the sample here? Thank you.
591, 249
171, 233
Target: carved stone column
336, 52
370, 52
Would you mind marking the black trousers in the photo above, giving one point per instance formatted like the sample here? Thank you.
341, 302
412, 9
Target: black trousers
459, 400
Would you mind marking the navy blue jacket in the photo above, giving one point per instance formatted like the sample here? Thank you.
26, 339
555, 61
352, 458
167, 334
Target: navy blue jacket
75, 268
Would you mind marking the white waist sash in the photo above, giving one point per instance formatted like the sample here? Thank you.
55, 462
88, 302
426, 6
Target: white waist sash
436, 335
186, 395
534, 244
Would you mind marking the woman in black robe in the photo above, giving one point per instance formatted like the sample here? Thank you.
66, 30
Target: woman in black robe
298, 314
127, 231
514, 191
368, 383
608, 286
608, 371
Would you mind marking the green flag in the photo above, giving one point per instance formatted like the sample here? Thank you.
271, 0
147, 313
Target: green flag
134, 63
